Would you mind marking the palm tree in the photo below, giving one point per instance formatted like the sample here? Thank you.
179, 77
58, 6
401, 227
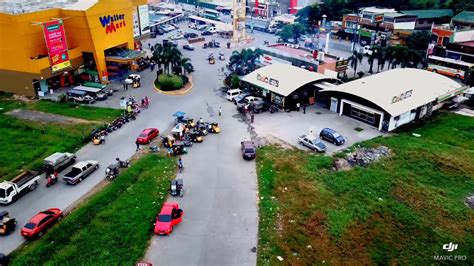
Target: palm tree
158, 55
375, 54
245, 59
399, 54
186, 65
355, 59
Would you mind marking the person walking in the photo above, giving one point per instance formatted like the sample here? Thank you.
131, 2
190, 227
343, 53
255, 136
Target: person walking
251, 118
304, 108
220, 111
180, 165
147, 102
138, 145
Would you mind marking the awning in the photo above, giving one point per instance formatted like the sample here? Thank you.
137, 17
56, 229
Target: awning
122, 55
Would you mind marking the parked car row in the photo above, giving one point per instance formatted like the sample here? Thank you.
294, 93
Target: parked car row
315, 143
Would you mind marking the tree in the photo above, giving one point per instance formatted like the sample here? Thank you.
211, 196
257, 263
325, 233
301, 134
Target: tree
286, 33
186, 65
309, 16
419, 40
245, 59
399, 55
235, 81
355, 59
293, 31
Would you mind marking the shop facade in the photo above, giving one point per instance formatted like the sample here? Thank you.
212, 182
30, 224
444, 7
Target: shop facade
53, 48
390, 99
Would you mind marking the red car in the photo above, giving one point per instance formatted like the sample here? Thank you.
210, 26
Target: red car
41, 222
170, 215
147, 135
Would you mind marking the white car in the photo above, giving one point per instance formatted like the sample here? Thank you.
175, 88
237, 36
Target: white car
312, 143
177, 37
202, 27
212, 30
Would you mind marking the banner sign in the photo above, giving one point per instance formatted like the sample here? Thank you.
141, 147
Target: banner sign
144, 19
55, 38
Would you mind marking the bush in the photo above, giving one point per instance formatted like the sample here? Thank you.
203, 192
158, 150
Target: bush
169, 82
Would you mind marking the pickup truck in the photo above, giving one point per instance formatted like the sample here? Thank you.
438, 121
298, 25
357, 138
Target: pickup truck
12, 190
58, 161
80, 171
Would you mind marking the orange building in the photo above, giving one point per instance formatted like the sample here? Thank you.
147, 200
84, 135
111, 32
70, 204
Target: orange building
99, 40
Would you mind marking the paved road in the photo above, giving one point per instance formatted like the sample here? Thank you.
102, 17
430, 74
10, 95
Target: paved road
220, 224
220, 221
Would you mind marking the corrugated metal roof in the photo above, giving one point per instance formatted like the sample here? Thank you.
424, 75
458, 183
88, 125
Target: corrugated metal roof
429, 13
465, 16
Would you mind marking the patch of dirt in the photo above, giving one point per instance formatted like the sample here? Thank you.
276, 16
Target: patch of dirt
273, 140
45, 117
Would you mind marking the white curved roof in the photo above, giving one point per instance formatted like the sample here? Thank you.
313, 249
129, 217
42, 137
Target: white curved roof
382, 88
288, 78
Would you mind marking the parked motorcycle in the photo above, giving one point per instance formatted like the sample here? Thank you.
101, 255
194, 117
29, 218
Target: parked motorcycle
273, 109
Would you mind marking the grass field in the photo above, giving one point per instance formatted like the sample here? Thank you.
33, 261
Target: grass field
113, 227
24, 144
400, 210
78, 111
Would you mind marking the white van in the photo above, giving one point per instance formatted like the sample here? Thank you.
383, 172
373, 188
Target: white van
231, 94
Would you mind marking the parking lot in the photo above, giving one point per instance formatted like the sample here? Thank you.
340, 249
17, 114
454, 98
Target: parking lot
268, 125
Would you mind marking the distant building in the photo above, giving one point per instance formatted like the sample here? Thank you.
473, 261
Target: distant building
465, 19
426, 17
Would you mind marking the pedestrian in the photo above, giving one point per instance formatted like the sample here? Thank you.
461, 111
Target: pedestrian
143, 102
138, 145
152, 67
147, 102
251, 118
220, 111
304, 108
298, 107
170, 150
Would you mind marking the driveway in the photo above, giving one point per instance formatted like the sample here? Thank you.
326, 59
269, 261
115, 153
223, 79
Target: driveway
316, 118
220, 222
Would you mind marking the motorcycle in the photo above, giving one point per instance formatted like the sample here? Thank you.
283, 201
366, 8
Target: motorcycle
52, 179
123, 164
273, 109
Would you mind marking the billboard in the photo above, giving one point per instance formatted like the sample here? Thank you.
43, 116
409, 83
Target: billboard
56, 43
144, 19
136, 23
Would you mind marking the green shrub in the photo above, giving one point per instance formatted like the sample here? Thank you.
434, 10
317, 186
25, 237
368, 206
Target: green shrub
170, 82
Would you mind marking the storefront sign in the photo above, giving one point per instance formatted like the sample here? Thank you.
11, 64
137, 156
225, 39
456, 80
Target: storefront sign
268, 80
377, 18
55, 38
340, 64
112, 23
402, 96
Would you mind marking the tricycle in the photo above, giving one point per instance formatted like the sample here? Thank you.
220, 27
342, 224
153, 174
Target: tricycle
7, 224
176, 187
178, 149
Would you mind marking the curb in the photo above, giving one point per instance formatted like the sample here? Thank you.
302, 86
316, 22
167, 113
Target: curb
179, 92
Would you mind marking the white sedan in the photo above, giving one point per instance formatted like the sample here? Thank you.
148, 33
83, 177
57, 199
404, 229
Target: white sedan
177, 37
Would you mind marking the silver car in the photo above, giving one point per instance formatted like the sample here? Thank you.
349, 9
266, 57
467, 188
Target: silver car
313, 143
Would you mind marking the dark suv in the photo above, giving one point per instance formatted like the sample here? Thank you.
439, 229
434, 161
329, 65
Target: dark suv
248, 150
332, 136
